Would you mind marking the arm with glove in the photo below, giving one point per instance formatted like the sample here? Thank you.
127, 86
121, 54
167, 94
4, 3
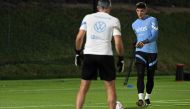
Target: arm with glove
120, 51
78, 46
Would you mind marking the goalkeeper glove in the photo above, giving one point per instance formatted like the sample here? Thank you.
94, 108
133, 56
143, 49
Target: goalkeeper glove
77, 57
120, 64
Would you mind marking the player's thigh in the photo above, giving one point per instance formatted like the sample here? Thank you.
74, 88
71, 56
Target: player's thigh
140, 58
110, 87
152, 61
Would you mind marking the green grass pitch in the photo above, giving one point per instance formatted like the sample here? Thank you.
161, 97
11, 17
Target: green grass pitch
60, 94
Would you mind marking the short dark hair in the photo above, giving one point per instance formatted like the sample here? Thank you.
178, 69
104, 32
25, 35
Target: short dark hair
104, 3
141, 5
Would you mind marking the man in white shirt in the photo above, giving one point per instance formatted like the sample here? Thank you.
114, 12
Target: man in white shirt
100, 28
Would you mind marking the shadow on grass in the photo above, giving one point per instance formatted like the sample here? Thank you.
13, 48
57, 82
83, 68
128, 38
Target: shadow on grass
135, 107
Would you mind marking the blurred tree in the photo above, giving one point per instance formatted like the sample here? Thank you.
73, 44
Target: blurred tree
94, 5
181, 3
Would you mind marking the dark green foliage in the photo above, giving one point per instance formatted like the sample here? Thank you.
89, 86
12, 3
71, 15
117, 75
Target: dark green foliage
37, 41
178, 3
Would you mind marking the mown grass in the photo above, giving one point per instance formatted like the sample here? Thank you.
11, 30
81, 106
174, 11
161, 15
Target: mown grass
61, 94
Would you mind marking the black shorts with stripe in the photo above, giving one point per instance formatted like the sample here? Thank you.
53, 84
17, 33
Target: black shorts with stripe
98, 65
149, 59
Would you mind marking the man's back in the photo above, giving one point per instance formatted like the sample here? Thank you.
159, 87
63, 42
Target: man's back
100, 28
98, 56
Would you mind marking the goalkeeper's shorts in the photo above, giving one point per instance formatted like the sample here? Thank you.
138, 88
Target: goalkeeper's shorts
102, 65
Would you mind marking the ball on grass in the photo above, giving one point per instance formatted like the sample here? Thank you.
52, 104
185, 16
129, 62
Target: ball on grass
119, 105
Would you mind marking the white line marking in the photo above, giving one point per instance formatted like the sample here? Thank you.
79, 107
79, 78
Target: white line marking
38, 106
172, 100
69, 89
75, 89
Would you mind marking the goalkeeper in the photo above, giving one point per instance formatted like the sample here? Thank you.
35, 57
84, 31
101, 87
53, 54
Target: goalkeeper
100, 28
146, 30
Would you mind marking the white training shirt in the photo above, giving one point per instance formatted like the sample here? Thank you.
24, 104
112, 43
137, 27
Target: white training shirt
100, 28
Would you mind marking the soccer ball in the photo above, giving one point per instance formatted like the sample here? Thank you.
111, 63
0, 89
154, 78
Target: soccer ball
119, 105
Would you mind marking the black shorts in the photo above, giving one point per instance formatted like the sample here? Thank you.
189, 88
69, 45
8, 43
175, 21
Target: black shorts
149, 59
102, 65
